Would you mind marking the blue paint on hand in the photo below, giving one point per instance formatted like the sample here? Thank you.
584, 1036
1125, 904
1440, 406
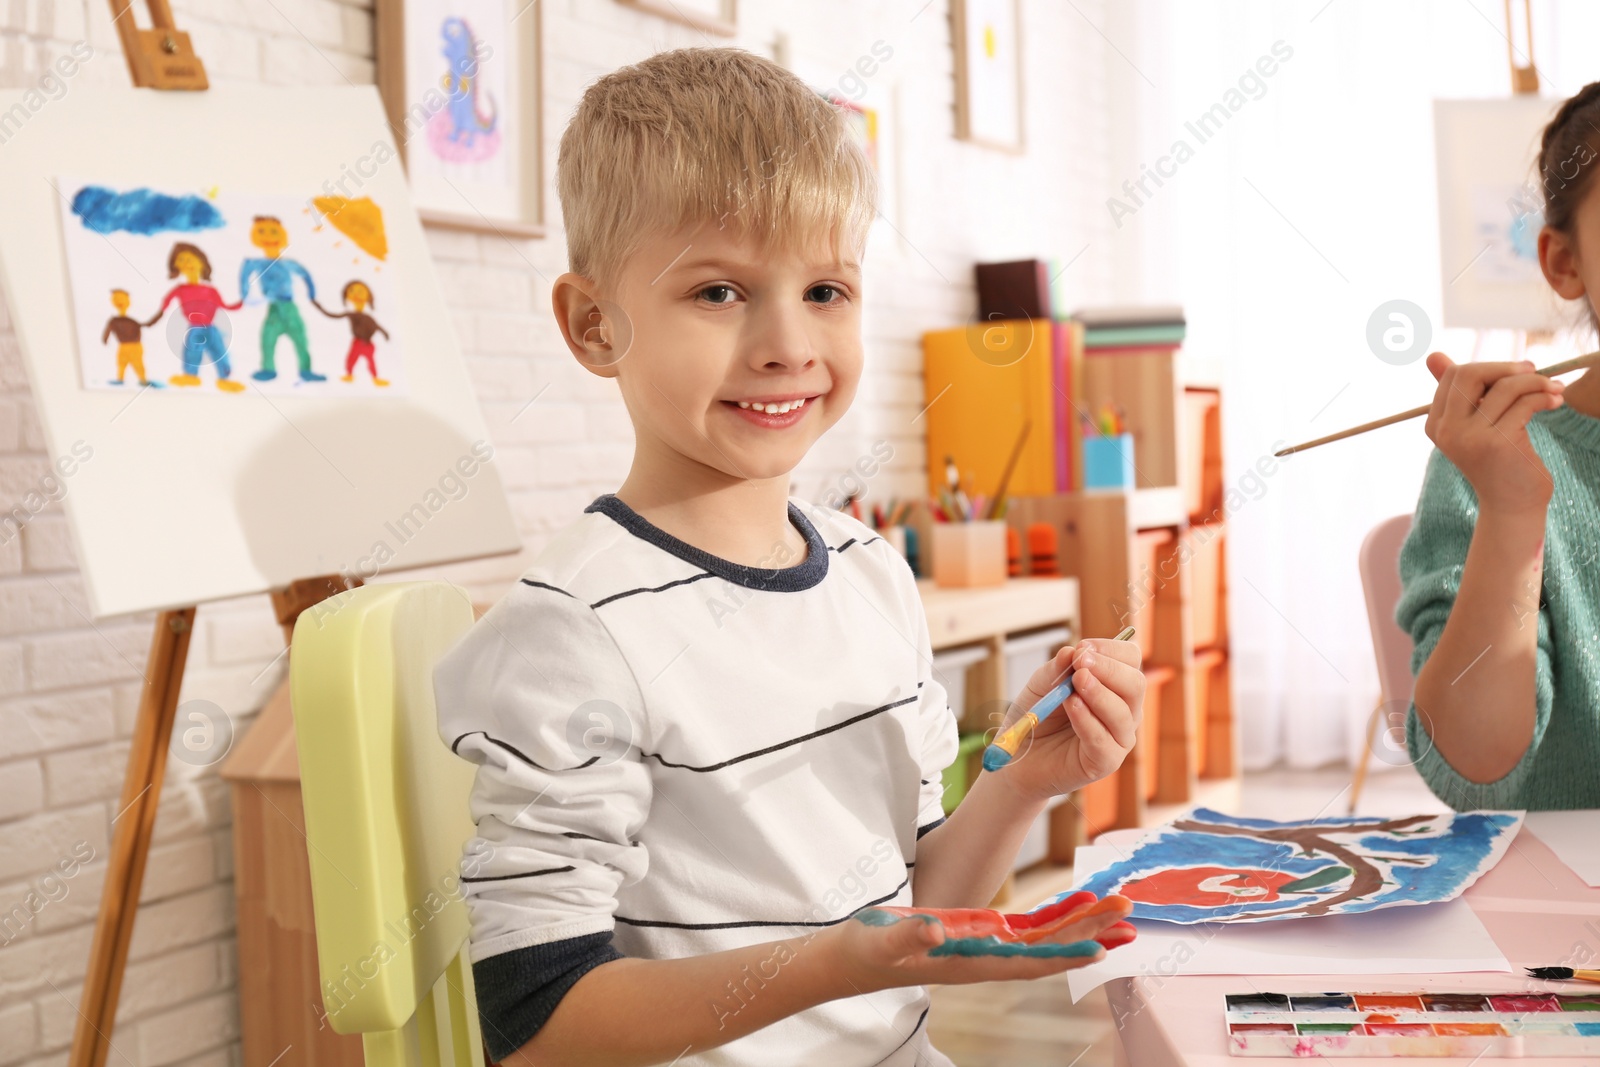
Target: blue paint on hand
993, 946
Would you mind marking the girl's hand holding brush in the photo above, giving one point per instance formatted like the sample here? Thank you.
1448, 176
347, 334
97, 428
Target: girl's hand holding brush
1479, 420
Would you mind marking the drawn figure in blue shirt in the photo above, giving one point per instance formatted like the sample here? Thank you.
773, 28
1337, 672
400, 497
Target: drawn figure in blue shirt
277, 274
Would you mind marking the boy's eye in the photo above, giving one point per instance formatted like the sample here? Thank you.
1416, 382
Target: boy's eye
823, 294
717, 294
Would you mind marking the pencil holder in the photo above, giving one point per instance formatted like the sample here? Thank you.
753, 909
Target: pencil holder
967, 554
1108, 462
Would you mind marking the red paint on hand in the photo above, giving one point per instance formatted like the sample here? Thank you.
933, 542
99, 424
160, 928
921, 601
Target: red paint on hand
1029, 927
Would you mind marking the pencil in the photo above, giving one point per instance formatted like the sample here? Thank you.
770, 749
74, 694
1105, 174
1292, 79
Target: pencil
1577, 363
1004, 747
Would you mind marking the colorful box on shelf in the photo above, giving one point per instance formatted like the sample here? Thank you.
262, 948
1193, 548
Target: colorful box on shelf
968, 554
1108, 462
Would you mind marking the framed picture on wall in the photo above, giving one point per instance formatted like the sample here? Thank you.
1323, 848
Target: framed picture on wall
712, 16
987, 36
461, 84
869, 100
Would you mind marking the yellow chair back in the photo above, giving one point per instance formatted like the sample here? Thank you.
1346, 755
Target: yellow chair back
386, 820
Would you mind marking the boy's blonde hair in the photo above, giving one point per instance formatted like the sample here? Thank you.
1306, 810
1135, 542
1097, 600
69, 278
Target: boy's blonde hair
707, 135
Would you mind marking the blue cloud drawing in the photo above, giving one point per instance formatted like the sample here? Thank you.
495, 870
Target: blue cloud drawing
143, 211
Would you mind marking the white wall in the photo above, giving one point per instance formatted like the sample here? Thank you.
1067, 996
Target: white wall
1313, 205
69, 688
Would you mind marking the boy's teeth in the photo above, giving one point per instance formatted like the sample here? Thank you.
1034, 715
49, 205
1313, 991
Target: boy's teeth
773, 409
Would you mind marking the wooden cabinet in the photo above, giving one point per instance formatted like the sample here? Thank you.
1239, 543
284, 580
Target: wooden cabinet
993, 620
280, 998
1154, 557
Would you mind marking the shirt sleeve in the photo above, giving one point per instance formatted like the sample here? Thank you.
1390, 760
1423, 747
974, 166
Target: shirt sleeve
538, 695
311, 286
1431, 563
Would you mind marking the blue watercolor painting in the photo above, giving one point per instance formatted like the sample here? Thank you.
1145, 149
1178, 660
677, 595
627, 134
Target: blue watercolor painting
1212, 867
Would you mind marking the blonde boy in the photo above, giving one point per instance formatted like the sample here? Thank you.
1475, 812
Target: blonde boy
706, 722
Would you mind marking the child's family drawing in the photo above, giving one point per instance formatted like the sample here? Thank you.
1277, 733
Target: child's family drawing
150, 273
1212, 867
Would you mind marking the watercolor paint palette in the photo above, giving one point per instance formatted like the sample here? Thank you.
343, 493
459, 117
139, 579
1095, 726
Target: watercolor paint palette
1526, 1024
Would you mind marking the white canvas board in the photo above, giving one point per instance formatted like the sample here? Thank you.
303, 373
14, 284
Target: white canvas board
1490, 213
176, 500
1574, 836
1440, 938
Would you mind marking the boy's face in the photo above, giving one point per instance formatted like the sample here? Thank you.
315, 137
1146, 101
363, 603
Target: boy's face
714, 322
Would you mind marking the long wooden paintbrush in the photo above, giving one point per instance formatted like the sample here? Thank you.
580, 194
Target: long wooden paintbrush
1578, 363
997, 505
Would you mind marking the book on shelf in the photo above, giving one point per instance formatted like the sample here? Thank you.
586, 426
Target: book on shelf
1130, 315
1169, 335
1019, 289
981, 382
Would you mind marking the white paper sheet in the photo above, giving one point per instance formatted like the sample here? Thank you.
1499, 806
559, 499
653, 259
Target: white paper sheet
1427, 939
1574, 836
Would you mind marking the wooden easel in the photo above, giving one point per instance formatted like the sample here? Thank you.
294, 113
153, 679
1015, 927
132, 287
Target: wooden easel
158, 58
1524, 79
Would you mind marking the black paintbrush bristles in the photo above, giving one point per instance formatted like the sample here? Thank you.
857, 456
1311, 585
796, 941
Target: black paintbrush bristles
1551, 974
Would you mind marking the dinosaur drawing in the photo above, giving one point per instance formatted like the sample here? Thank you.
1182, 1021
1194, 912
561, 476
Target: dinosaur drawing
462, 84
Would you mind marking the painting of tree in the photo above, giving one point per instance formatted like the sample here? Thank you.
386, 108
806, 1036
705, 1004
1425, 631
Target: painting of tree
1212, 867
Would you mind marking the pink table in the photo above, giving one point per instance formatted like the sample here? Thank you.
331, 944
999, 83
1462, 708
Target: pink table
1538, 912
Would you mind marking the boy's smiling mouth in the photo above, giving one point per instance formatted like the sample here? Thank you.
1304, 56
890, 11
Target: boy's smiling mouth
775, 412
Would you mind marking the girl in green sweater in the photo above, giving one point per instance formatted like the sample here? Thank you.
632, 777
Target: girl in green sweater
1501, 571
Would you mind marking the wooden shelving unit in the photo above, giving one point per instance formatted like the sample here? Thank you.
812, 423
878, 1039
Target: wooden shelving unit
1153, 557
991, 619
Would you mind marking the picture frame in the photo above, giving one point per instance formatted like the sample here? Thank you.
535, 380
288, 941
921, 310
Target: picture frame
462, 87
869, 101
720, 17
986, 36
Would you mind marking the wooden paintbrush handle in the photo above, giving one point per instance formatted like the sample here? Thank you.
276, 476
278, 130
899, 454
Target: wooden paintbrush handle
1578, 363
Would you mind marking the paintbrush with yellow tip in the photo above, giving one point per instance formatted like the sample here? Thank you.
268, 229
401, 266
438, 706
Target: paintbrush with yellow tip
1563, 974
1003, 749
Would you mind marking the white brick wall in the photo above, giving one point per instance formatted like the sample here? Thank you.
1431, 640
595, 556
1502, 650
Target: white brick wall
69, 690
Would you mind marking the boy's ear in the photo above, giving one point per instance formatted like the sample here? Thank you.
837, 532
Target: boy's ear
597, 331
1558, 258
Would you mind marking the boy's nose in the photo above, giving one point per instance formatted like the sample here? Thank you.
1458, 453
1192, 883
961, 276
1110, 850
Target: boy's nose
781, 340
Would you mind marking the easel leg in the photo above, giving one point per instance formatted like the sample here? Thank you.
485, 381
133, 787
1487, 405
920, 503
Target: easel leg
130, 846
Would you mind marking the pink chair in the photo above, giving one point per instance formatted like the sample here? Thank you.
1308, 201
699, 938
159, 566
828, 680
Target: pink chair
1380, 581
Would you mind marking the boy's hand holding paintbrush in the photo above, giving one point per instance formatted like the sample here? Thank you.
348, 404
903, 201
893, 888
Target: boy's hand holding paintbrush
1086, 736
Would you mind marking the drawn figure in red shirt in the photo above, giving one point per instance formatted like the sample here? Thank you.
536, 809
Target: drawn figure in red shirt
199, 303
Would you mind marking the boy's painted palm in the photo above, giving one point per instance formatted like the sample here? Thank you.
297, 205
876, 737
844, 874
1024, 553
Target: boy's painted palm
886, 947
1090, 735
986, 932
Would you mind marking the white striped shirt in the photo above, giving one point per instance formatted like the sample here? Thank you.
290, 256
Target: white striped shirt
679, 755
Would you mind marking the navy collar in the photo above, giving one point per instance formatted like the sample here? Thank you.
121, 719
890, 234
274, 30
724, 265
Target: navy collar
802, 575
